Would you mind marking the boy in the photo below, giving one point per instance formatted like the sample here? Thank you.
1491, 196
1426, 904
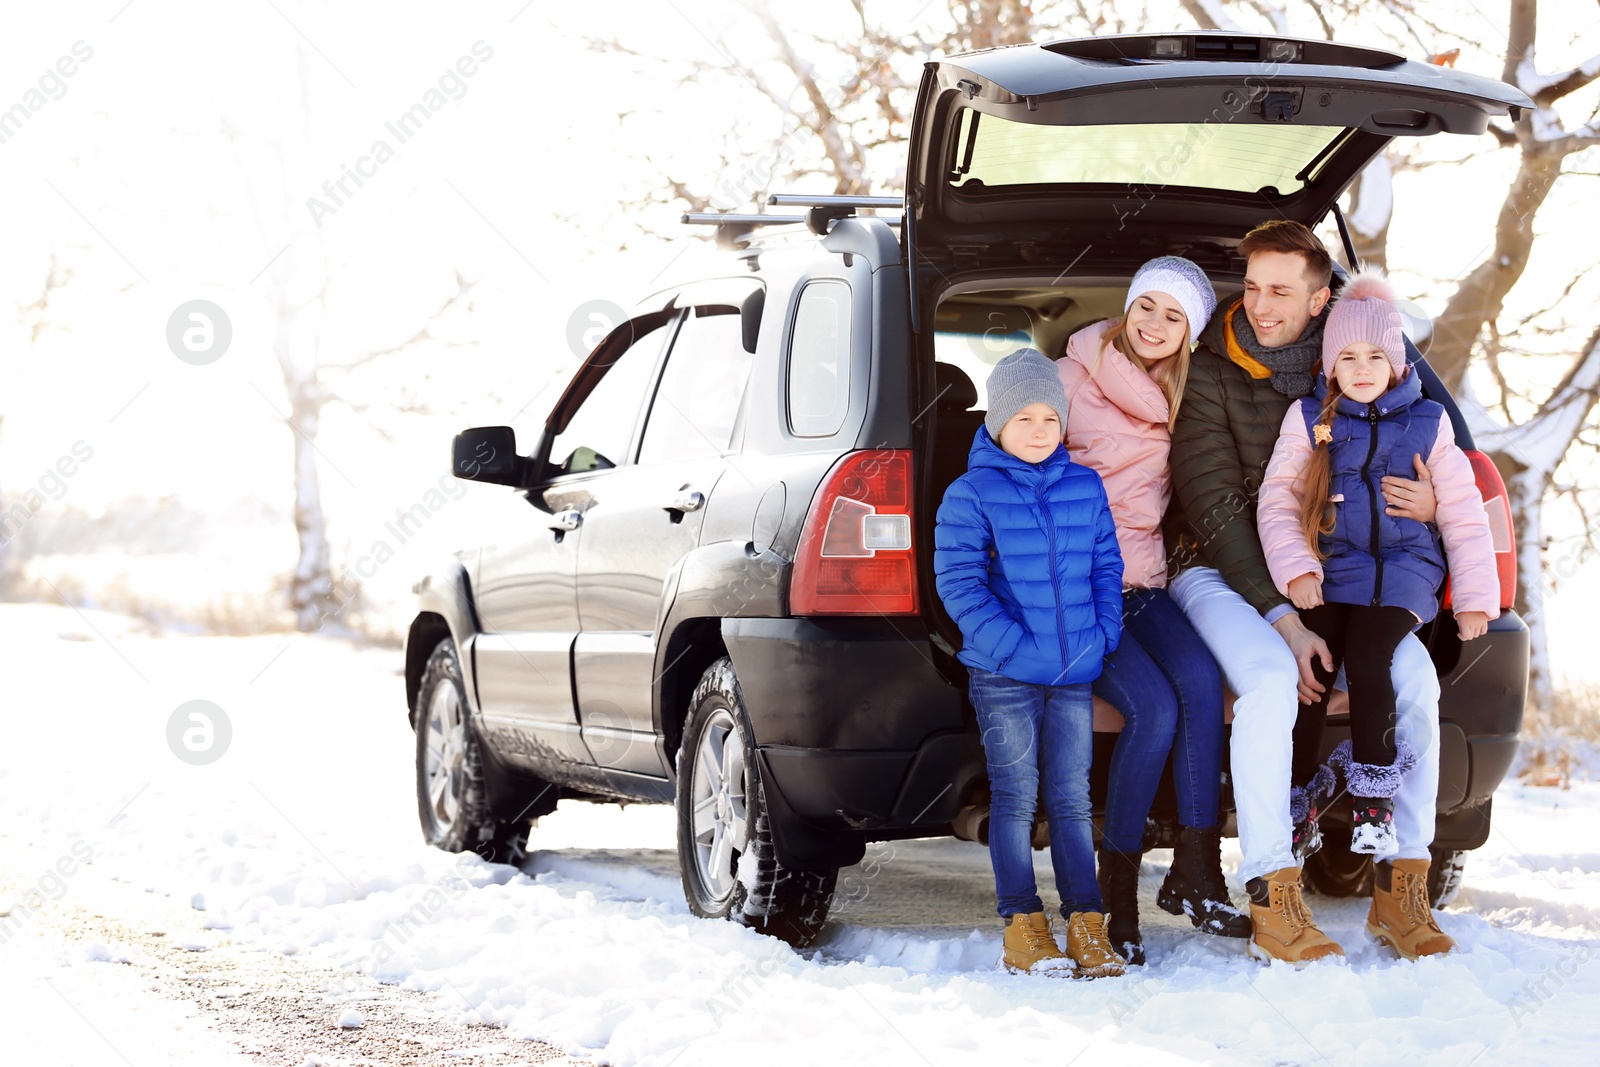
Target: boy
1026, 563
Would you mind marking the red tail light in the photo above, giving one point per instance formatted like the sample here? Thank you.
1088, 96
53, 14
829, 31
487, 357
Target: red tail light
856, 555
1497, 506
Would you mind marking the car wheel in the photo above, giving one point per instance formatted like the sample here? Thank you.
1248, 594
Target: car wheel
1444, 876
452, 801
725, 852
1335, 871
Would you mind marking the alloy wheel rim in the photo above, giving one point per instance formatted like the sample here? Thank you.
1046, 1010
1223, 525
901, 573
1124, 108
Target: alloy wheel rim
446, 762
719, 815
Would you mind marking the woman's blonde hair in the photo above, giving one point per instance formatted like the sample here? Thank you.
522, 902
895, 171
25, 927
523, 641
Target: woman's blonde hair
1316, 510
1171, 374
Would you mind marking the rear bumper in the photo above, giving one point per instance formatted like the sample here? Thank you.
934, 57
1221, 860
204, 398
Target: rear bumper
842, 685
858, 733
824, 806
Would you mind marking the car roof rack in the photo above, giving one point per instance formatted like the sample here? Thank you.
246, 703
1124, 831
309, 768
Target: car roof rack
826, 209
734, 229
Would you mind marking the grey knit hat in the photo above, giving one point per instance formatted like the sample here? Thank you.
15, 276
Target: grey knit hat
1024, 377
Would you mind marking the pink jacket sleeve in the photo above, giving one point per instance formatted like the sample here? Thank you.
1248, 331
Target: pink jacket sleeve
1468, 545
1278, 507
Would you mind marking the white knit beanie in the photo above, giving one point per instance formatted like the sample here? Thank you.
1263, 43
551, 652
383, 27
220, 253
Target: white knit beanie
1183, 281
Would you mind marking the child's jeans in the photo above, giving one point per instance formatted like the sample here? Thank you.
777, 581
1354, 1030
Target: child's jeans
1029, 730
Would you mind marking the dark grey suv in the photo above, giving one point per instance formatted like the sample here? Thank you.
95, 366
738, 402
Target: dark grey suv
711, 581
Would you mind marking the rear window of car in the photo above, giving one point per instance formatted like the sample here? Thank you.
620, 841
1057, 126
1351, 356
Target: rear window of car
819, 360
1235, 157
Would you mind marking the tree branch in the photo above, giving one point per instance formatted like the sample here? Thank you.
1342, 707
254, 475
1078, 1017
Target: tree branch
424, 333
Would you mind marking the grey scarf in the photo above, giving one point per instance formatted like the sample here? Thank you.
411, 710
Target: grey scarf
1294, 366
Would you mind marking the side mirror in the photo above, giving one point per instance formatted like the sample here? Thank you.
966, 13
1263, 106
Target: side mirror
489, 454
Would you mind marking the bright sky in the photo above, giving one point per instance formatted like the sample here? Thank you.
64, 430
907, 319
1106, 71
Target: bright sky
175, 163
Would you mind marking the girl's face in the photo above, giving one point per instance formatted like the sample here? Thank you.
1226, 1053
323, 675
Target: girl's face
1032, 434
1156, 326
1363, 372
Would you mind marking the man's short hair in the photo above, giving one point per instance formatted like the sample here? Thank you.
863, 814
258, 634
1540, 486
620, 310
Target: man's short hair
1286, 235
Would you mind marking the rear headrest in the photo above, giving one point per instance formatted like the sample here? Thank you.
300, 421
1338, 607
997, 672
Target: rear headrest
953, 388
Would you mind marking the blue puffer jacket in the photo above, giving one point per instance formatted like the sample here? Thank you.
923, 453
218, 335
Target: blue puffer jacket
1026, 561
1375, 558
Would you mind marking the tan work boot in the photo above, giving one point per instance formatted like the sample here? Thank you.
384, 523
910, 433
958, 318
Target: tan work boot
1030, 947
1284, 929
1400, 916
1090, 946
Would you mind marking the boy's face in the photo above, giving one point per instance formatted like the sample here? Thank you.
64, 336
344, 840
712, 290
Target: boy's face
1032, 434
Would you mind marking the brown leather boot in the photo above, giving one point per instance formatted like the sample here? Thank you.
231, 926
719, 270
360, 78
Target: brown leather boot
1284, 929
1030, 947
1400, 916
1088, 944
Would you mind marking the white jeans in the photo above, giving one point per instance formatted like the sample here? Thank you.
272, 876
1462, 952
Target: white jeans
1259, 668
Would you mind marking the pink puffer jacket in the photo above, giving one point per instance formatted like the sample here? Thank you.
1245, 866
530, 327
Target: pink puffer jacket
1468, 544
1117, 424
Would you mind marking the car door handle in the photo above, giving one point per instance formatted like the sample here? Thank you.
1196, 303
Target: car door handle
687, 500
566, 520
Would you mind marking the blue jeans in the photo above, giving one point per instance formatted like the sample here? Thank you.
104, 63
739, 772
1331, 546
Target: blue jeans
1169, 690
1029, 730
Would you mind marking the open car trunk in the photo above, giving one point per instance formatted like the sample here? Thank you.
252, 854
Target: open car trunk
1038, 150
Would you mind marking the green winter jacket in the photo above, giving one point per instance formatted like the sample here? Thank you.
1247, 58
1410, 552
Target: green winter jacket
1227, 426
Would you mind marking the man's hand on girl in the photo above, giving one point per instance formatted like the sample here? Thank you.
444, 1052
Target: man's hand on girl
1471, 624
1408, 499
1305, 592
1305, 646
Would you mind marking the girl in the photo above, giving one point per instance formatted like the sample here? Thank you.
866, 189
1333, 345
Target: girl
1124, 380
1026, 562
1362, 579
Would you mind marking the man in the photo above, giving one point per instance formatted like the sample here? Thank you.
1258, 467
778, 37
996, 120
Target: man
1253, 361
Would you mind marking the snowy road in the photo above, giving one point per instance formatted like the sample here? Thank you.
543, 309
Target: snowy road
292, 868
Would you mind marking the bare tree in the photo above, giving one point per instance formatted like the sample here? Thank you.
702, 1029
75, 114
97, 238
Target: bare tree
36, 317
313, 378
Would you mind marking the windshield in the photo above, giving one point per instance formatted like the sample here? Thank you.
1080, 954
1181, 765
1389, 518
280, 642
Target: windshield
1236, 157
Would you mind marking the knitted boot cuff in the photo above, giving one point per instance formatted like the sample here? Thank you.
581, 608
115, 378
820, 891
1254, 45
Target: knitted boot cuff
1324, 785
1380, 781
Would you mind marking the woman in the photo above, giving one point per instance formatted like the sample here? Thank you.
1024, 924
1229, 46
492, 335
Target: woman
1124, 381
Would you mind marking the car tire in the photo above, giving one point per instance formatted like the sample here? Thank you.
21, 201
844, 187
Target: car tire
725, 851
452, 799
1444, 876
1335, 871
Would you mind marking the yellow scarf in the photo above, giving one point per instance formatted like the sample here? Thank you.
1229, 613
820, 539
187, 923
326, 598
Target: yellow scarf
1236, 351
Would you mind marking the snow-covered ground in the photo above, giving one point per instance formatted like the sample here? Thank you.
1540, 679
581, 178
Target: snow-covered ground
300, 841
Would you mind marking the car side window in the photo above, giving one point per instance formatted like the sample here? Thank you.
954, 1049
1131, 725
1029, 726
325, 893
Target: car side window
600, 432
819, 360
697, 402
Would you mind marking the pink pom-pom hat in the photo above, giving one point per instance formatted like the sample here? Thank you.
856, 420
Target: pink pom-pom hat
1365, 311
